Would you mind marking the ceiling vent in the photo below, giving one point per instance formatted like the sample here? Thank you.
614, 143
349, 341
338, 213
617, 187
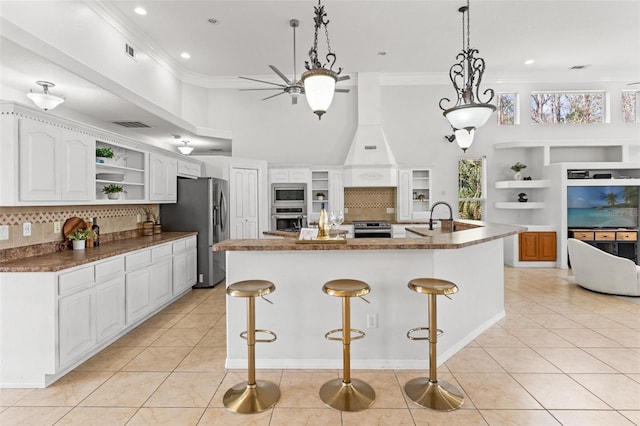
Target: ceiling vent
580, 67
130, 51
132, 124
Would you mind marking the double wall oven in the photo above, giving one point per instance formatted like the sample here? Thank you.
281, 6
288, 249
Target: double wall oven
288, 206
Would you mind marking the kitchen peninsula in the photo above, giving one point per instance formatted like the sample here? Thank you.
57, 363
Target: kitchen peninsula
301, 313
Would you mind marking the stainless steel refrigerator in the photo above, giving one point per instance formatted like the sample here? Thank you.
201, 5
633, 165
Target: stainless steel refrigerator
203, 206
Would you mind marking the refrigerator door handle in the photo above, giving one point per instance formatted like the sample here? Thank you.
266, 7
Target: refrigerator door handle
215, 214
223, 212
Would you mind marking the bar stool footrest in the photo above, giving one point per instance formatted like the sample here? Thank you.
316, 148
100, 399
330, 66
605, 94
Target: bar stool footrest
359, 334
273, 339
410, 335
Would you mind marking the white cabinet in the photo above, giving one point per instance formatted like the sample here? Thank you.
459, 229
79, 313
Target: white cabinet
77, 327
110, 314
329, 184
126, 168
54, 164
243, 186
163, 174
185, 258
288, 175
188, 169
398, 231
413, 194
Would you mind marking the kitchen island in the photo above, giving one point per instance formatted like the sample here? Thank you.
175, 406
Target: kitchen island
472, 258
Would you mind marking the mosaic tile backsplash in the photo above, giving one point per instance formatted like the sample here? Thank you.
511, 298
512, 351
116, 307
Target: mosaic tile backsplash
370, 204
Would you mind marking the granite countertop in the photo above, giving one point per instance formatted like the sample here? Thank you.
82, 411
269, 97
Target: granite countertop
294, 234
480, 233
58, 261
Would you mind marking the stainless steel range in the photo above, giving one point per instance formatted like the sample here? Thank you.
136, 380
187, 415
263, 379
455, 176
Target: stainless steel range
371, 229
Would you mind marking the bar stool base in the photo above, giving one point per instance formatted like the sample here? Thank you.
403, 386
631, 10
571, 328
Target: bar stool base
354, 396
245, 399
441, 396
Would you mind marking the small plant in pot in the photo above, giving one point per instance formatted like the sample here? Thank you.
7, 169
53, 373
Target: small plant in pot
102, 153
517, 168
79, 238
113, 191
320, 196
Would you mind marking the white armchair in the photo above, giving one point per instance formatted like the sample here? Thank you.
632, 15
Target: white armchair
600, 271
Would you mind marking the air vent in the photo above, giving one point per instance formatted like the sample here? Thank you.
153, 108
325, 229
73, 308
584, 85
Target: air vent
366, 147
216, 149
580, 67
132, 124
130, 51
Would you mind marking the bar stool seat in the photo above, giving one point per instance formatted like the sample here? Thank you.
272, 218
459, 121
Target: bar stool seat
252, 396
429, 392
347, 394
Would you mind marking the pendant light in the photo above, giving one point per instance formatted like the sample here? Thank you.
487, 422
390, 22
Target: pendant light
45, 100
469, 112
320, 82
186, 149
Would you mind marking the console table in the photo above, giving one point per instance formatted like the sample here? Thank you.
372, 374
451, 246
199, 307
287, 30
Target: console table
619, 242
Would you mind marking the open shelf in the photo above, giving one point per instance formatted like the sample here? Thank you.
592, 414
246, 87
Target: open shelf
507, 184
519, 206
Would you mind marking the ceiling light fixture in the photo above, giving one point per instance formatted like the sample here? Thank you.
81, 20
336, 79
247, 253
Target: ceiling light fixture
140, 11
185, 55
45, 100
320, 82
469, 112
186, 149
529, 62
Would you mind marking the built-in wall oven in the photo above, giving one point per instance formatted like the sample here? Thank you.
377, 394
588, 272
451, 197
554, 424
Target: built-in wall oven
288, 195
288, 218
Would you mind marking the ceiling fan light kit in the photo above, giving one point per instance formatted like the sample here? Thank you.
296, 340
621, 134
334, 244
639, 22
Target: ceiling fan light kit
45, 100
469, 112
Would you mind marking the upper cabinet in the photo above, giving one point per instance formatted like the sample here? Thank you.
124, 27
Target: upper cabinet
326, 188
413, 194
125, 168
289, 175
163, 174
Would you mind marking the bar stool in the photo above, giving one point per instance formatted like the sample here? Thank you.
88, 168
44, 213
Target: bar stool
429, 392
346, 394
252, 396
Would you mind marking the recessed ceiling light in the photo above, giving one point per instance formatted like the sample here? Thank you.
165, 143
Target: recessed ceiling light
213, 21
185, 55
529, 62
140, 11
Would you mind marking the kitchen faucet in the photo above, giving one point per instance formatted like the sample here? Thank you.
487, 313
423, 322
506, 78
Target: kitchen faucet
431, 215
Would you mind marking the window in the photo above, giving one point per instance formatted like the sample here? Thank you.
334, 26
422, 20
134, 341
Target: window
569, 107
630, 102
508, 109
471, 183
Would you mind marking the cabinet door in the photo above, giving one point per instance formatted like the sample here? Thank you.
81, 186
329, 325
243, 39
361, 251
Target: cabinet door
404, 195
163, 175
138, 294
179, 272
528, 246
77, 326
192, 268
77, 166
547, 246
161, 280
110, 317
39, 161
279, 176
244, 203
336, 191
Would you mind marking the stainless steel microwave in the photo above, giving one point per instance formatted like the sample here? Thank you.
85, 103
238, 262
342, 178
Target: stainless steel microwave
289, 194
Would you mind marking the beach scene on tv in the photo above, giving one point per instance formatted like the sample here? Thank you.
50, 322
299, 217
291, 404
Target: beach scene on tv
602, 206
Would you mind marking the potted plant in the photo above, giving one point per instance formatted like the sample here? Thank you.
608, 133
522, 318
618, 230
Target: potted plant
320, 196
79, 238
113, 191
517, 168
102, 153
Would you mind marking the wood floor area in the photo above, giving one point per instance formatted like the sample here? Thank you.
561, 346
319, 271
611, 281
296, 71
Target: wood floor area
562, 355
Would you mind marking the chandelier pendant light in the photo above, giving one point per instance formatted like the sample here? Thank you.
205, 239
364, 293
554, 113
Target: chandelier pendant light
320, 82
45, 100
469, 112
186, 149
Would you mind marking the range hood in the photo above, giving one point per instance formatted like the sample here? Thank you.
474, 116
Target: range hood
370, 162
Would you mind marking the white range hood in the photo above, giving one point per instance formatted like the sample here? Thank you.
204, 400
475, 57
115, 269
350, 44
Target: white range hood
370, 162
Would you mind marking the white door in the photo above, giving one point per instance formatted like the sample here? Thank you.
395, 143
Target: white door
77, 166
39, 161
244, 203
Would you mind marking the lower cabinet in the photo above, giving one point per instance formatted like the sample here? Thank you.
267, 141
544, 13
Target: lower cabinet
77, 324
185, 264
537, 246
138, 294
110, 315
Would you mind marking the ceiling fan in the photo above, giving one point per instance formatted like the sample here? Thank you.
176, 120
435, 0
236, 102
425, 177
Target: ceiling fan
294, 86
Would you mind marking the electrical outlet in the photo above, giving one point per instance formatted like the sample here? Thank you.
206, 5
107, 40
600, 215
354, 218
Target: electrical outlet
138, 218
57, 227
26, 229
372, 320
390, 210
346, 210
4, 232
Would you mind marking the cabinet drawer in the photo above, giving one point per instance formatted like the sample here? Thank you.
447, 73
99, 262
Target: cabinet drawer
627, 236
137, 260
605, 236
72, 281
583, 235
158, 253
109, 269
179, 246
191, 243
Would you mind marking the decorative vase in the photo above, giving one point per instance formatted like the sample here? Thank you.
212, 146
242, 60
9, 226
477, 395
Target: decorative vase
147, 228
113, 196
157, 229
517, 176
79, 244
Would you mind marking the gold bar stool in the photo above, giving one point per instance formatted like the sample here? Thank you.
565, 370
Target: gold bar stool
252, 396
429, 392
346, 394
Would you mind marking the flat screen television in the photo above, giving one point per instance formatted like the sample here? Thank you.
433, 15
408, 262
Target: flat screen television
602, 206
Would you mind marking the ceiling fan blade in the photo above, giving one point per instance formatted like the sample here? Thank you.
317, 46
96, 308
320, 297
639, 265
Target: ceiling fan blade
273, 96
262, 81
344, 77
342, 90
262, 88
282, 76
633, 84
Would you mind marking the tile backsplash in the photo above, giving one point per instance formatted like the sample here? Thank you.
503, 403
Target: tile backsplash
370, 203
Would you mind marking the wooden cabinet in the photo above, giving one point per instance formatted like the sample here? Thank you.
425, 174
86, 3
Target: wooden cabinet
243, 186
537, 246
413, 194
623, 243
163, 174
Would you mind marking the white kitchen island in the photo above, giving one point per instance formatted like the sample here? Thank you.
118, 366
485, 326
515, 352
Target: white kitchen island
301, 313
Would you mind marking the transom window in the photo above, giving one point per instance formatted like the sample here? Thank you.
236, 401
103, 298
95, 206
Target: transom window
569, 107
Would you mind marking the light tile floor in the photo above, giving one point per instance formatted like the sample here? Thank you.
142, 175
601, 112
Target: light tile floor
562, 355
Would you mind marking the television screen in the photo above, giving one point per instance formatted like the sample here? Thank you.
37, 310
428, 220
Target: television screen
602, 206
